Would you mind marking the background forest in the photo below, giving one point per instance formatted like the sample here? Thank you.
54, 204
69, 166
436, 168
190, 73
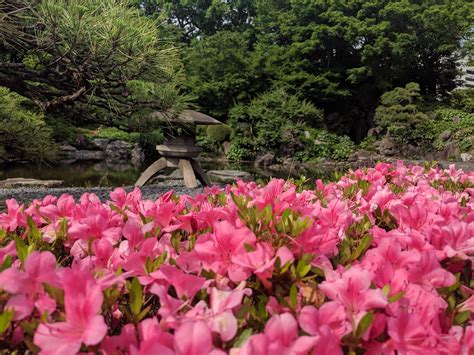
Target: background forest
307, 79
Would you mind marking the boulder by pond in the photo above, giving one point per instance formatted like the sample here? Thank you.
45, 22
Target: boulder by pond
223, 176
22, 182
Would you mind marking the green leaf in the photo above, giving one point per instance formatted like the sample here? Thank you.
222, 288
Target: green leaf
21, 249
386, 290
362, 247
244, 310
262, 308
3, 234
34, 235
136, 296
242, 338
345, 253
462, 317
249, 248
7, 262
286, 267
318, 271
143, 313
5, 319
56, 294
396, 297
293, 296
160, 260
364, 324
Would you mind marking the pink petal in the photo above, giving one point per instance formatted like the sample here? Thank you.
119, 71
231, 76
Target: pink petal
22, 306
193, 338
57, 339
95, 331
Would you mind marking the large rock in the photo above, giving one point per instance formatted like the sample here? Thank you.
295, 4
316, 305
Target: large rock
265, 160
90, 155
67, 151
450, 151
386, 147
465, 157
360, 155
228, 175
100, 143
445, 135
137, 156
374, 132
118, 151
25, 182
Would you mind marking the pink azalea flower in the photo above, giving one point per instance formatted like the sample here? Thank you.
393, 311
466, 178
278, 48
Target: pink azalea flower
331, 315
280, 337
407, 332
14, 216
153, 340
83, 301
194, 338
27, 286
185, 284
122, 343
216, 251
352, 290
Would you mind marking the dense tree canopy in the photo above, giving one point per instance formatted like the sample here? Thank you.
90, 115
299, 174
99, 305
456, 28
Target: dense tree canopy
340, 55
88, 53
197, 18
90, 58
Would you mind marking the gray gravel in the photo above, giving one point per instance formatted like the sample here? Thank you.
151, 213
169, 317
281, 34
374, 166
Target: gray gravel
28, 194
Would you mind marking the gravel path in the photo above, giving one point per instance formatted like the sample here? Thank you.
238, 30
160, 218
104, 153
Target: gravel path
148, 192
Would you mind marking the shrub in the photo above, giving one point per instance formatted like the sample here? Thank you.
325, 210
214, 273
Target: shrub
322, 144
218, 133
261, 125
23, 133
62, 129
368, 144
463, 99
460, 123
113, 133
399, 116
379, 260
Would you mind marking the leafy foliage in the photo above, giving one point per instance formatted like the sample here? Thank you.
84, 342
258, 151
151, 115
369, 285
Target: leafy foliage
219, 133
463, 99
23, 132
459, 123
281, 270
322, 144
112, 133
268, 121
399, 115
93, 53
221, 72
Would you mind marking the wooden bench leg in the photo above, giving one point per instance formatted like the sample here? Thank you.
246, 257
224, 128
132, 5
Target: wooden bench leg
201, 174
150, 171
188, 173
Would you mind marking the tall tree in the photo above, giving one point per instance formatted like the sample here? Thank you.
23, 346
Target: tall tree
88, 53
197, 18
221, 72
344, 54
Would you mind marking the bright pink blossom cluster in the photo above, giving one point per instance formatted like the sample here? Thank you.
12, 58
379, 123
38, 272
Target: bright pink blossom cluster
379, 262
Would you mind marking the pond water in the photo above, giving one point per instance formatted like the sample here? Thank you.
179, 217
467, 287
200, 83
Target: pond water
98, 174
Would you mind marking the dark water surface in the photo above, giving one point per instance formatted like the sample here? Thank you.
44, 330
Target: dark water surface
100, 174
84, 174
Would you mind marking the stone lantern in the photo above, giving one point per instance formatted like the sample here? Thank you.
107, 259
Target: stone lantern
181, 151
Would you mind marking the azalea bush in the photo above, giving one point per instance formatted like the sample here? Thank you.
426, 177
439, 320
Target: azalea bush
379, 262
